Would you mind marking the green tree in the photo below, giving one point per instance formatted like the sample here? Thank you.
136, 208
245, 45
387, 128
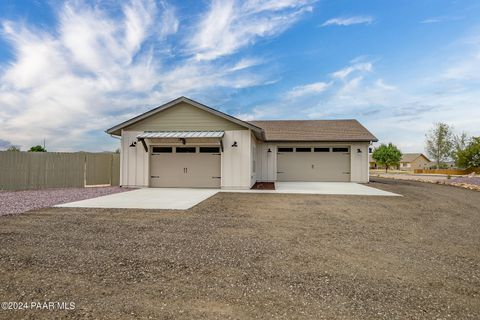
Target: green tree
387, 155
460, 142
470, 156
37, 148
439, 142
13, 148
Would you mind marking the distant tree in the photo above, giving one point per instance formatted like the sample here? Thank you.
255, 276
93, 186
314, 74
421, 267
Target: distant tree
470, 156
460, 142
439, 142
13, 148
117, 150
37, 148
387, 155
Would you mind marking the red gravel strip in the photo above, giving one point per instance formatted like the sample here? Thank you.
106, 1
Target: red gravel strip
12, 202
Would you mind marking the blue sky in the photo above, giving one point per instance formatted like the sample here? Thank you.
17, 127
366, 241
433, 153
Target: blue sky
71, 69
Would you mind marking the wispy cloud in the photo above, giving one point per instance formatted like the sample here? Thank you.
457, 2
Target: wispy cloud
399, 112
441, 19
97, 68
345, 72
230, 25
307, 89
347, 21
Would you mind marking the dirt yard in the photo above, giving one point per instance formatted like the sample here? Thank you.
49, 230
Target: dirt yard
263, 256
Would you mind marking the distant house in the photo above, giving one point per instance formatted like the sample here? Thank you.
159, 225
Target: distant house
411, 161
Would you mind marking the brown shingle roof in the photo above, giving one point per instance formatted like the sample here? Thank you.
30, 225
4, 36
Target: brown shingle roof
314, 130
410, 157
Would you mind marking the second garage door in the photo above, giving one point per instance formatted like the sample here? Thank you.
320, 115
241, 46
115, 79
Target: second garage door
186, 167
313, 164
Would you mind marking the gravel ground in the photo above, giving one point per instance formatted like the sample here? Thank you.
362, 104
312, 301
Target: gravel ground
414, 177
253, 256
468, 180
12, 202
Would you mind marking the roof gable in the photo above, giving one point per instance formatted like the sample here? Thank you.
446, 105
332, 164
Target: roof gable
410, 157
183, 114
183, 117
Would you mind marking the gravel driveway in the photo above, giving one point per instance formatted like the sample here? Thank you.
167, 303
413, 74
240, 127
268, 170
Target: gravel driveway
12, 202
253, 256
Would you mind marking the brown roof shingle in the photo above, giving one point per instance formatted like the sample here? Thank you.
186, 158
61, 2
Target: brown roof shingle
314, 130
410, 157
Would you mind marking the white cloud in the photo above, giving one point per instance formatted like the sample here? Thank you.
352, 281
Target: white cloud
466, 69
230, 25
96, 69
347, 21
345, 72
245, 63
440, 19
307, 89
400, 112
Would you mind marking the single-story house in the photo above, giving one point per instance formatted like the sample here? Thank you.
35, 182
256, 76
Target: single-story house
184, 143
409, 161
412, 161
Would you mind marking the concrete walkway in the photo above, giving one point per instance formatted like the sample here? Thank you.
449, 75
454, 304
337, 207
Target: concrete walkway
148, 198
333, 188
184, 198
339, 188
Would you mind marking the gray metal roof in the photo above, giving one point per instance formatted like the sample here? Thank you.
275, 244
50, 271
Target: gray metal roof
181, 134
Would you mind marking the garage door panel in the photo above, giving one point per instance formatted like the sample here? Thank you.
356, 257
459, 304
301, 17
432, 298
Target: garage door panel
313, 166
196, 170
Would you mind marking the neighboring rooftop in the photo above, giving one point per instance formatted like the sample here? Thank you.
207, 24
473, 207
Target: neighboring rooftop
410, 157
314, 130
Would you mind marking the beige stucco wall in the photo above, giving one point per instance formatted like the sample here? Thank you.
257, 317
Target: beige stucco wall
236, 161
253, 159
134, 161
359, 162
266, 164
185, 117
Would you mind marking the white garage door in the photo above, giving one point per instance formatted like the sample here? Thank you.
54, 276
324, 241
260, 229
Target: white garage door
313, 164
195, 167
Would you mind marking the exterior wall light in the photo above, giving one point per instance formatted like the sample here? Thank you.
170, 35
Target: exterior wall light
269, 150
234, 144
133, 144
359, 151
